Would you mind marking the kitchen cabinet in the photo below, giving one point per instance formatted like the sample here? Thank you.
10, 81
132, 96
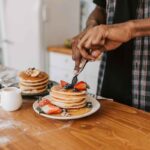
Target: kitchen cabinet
61, 68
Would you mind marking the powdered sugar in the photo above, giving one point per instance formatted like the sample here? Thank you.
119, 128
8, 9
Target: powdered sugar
11, 126
67, 125
4, 140
8, 124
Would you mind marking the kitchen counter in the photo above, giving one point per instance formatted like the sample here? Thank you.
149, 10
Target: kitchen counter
60, 49
113, 127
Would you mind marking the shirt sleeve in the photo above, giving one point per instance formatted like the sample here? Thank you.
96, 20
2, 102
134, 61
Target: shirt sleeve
101, 3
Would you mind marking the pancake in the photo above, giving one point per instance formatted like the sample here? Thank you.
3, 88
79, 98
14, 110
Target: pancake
67, 98
52, 99
64, 97
74, 107
35, 83
34, 91
69, 101
23, 77
68, 105
58, 89
77, 107
32, 88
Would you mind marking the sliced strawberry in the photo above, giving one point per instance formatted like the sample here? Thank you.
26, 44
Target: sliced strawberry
44, 102
63, 83
51, 109
81, 86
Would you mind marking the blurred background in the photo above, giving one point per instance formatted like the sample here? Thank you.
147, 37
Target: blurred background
35, 33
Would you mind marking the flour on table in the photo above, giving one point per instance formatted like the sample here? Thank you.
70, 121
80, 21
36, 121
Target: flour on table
4, 140
67, 125
8, 124
41, 131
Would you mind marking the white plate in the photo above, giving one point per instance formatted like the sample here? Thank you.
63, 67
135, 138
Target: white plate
95, 103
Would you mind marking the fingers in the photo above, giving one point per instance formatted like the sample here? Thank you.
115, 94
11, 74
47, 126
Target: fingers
74, 49
95, 36
93, 39
84, 39
77, 64
78, 52
86, 55
96, 53
76, 56
98, 40
74, 42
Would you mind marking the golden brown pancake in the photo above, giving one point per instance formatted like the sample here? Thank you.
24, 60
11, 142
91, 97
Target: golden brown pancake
23, 77
33, 81
58, 89
67, 98
67, 102
68, 105
32, 88
34, 91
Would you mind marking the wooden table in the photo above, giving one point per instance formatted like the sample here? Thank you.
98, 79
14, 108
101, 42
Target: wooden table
113, 127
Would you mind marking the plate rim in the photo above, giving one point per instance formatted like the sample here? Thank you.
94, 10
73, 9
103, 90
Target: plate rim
95, 109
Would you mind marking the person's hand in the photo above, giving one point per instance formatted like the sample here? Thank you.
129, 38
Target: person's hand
104, 38
76, 55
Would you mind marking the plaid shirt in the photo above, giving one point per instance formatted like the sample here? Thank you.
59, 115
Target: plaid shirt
141, 59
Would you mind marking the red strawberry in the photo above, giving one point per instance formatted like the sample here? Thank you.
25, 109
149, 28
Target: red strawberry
51, 109
44, 102
63, 83
81, 86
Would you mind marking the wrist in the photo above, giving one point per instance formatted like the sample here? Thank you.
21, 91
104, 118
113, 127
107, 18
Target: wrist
129, 30
131, 27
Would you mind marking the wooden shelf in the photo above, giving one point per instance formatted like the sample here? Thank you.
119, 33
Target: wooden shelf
60, 49
63, 50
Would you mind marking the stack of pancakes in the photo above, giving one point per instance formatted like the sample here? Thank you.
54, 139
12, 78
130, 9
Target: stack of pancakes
67, 99
33, 84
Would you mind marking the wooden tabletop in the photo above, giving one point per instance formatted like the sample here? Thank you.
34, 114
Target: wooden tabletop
113, 127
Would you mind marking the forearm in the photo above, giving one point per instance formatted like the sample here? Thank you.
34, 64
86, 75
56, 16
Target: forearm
97, 17
140, 27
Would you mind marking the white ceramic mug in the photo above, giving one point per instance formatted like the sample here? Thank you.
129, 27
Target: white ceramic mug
10, 98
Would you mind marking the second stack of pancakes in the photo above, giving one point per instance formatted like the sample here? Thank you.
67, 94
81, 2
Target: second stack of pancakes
67, 99
33, 84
